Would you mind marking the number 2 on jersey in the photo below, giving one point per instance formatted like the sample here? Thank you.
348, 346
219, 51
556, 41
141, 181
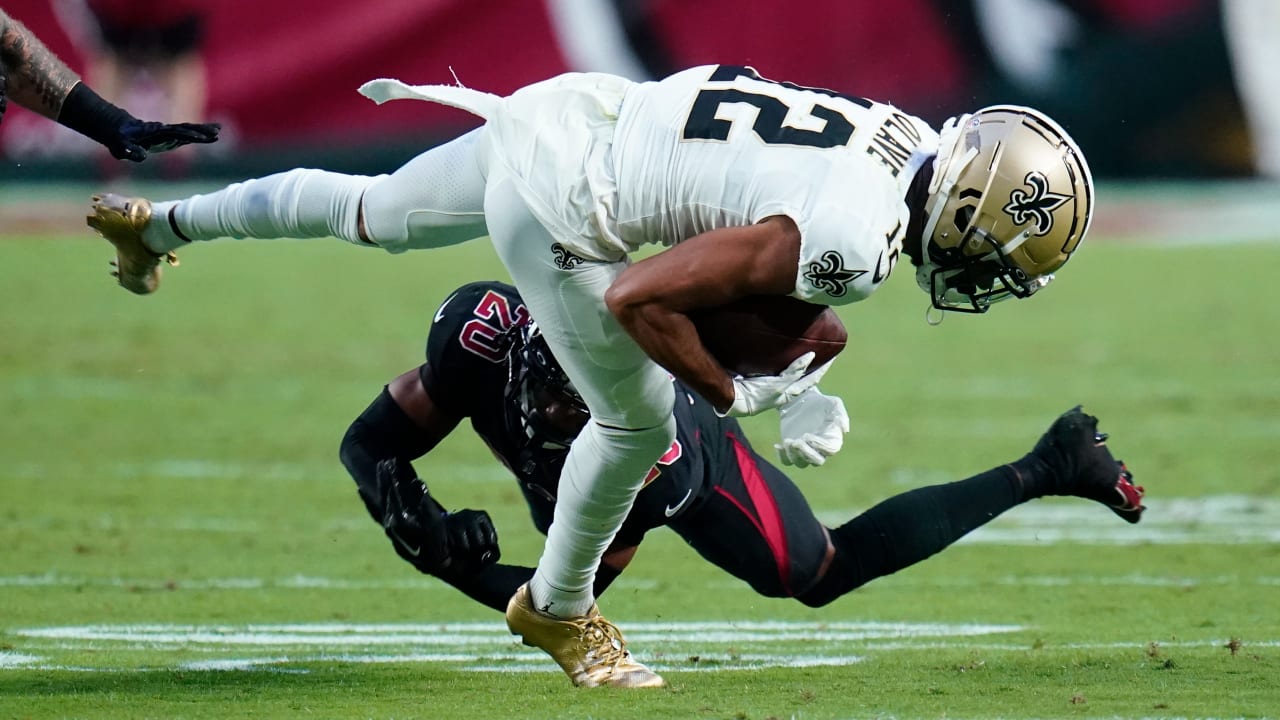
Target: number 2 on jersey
494, 315
702, 123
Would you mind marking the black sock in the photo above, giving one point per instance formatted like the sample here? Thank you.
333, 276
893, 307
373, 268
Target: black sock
1037, 476
494, 585
914, 525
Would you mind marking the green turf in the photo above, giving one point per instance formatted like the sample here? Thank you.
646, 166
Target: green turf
168, 466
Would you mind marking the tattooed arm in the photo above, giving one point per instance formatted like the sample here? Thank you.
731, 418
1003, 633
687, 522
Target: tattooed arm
37, 80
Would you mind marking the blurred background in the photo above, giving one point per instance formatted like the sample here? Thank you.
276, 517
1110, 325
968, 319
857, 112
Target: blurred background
1181, 89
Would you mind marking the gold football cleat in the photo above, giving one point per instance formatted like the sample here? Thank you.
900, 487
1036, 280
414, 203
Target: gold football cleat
589, 649
121, 220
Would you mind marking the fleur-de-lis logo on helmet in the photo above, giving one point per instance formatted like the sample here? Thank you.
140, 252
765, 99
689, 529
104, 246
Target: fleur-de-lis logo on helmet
830, 275
1036, 204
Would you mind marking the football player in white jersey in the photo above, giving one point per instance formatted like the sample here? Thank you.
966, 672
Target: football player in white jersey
757, 187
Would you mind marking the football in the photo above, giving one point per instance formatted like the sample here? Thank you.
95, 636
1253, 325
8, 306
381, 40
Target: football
763, 334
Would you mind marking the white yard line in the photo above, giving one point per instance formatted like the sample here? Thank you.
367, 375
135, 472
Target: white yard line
486, 647
211, 469
449, 634
428, 584
16, 660
478, 647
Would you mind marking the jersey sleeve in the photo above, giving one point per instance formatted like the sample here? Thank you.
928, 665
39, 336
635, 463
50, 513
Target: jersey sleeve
848, 246
468, 342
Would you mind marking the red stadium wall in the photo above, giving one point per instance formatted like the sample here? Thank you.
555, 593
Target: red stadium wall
282, 76
289, 75
278, 73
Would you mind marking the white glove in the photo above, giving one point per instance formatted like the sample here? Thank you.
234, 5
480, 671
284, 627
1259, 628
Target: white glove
813, 428
754, 395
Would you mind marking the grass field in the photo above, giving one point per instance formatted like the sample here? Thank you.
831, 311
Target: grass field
178, 540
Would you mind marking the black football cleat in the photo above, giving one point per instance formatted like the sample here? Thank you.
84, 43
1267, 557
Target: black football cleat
1083, 466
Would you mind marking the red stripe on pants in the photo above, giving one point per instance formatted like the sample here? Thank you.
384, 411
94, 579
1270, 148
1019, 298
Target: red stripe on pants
767, 519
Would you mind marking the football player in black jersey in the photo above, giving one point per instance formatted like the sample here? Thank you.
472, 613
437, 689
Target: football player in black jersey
486, 362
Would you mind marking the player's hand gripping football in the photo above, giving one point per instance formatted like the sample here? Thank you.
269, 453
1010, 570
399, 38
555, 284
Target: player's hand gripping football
432, 540
813, 428
754, 395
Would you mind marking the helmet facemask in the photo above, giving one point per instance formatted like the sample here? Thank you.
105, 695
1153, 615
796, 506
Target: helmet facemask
542, 405
974, 283
1010, 200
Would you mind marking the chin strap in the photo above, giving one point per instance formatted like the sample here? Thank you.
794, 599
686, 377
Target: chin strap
933, 316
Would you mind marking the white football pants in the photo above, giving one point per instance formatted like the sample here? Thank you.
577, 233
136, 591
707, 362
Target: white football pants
447, 195
630, 398
435, 199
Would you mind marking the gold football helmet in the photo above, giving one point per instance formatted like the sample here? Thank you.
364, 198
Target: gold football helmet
1010, 200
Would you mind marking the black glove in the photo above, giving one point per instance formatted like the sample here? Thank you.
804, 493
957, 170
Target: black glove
412, 519
473, 541
136, 137
432, 540
127, 137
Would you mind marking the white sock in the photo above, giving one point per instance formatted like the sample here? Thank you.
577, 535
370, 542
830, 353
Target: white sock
601, 476
295, 204
557, 601
158, 235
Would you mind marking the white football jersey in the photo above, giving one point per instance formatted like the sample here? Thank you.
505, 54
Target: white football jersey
720, 146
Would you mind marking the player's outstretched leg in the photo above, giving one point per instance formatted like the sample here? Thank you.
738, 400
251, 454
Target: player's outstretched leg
121, 220
589, 649
1080, 464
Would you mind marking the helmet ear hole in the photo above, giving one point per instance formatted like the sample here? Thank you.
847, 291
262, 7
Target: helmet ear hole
945, 257
964, 216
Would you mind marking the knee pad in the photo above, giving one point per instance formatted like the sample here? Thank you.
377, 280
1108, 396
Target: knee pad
657, 438
434, 200
606, 463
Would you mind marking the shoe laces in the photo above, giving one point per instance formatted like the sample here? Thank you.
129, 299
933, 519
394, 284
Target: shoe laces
605, 643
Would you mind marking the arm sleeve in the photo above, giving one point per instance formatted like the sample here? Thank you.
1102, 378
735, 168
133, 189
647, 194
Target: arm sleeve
88, 114
382, 431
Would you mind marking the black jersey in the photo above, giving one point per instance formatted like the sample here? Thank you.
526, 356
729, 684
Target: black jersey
466, 373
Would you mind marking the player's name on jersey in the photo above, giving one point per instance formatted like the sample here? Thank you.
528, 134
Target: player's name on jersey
894, 142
